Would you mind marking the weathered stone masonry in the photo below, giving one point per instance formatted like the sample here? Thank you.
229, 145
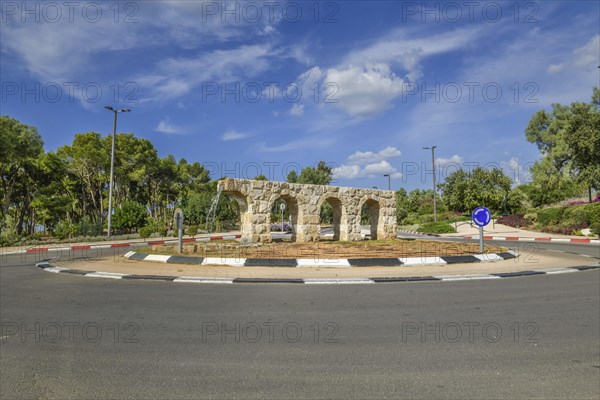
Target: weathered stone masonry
256, 199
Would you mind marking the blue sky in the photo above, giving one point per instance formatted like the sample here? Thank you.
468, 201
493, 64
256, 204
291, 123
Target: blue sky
267, 87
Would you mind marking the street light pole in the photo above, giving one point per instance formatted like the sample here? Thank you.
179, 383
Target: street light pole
389, 181
112, 163
434, 190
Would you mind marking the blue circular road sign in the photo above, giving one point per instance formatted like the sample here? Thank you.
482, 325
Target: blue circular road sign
481, 216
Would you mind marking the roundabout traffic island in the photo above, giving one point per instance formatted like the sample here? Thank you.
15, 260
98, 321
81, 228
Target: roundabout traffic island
370, 253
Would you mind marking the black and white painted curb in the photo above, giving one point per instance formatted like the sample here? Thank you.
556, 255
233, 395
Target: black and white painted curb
46, 266
309, 262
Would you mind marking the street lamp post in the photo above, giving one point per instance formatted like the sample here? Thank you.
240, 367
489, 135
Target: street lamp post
112, 163
389, 181
434, 190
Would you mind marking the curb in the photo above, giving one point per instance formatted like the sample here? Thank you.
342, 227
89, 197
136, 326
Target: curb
116, 245
320, 281
418, 233
538, 239
308, 262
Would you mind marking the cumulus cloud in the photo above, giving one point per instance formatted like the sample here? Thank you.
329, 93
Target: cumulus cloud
369, 164
364, 91
164, 126
554, 68
364, 157
297, 110
588, 55
232, 134
455, 159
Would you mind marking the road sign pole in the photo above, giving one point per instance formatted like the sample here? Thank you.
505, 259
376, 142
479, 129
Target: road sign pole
481, 240
481, 216
282, 208
179, 233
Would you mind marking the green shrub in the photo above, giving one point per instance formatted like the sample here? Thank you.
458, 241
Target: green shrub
595, 227
64, 229
574, 215
88, 228
146, 232
192, 230
550, 216
436, 227
130, 215
593, 213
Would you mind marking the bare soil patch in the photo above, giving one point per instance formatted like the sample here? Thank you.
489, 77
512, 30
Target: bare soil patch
326, 249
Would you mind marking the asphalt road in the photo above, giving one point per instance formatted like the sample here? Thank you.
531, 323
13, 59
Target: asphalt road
529, 337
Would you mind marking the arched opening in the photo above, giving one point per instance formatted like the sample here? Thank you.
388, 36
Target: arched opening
283, 221
369, 216
239, 207
330, 218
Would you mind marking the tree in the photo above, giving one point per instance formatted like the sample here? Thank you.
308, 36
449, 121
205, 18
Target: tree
20, 146
567, 139
582, 136
464, 191
321, 175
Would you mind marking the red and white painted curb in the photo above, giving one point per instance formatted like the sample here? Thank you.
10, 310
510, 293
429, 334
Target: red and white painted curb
116, 245
538, 239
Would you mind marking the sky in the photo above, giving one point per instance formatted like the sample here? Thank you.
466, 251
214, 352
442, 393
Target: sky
266, 87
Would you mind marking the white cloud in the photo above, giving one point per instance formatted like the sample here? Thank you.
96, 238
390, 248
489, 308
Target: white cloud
164, 126
232, 134
364, 157
554, 68
455, 159
176, 76
365, 91
399, 49
363, 164
308, 143
297, 110
588, 56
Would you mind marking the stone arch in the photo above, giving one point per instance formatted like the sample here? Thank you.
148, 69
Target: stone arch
291, 204
247, 224
376, 216
256, 198
339, 216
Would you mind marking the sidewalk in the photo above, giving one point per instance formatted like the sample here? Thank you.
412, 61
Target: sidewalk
504, 232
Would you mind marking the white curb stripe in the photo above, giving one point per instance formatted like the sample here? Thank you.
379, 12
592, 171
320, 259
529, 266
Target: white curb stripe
337, 281
553, 271
342, 263
422, 260
231, 262
488, 257
157, 258
56, 270
468, 277
198, 279
129, 254
111, 275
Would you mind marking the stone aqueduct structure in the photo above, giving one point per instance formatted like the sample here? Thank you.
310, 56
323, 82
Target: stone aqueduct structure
256, 199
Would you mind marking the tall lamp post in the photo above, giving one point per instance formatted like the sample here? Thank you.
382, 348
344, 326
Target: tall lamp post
434, 191
112, 163
389, 181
